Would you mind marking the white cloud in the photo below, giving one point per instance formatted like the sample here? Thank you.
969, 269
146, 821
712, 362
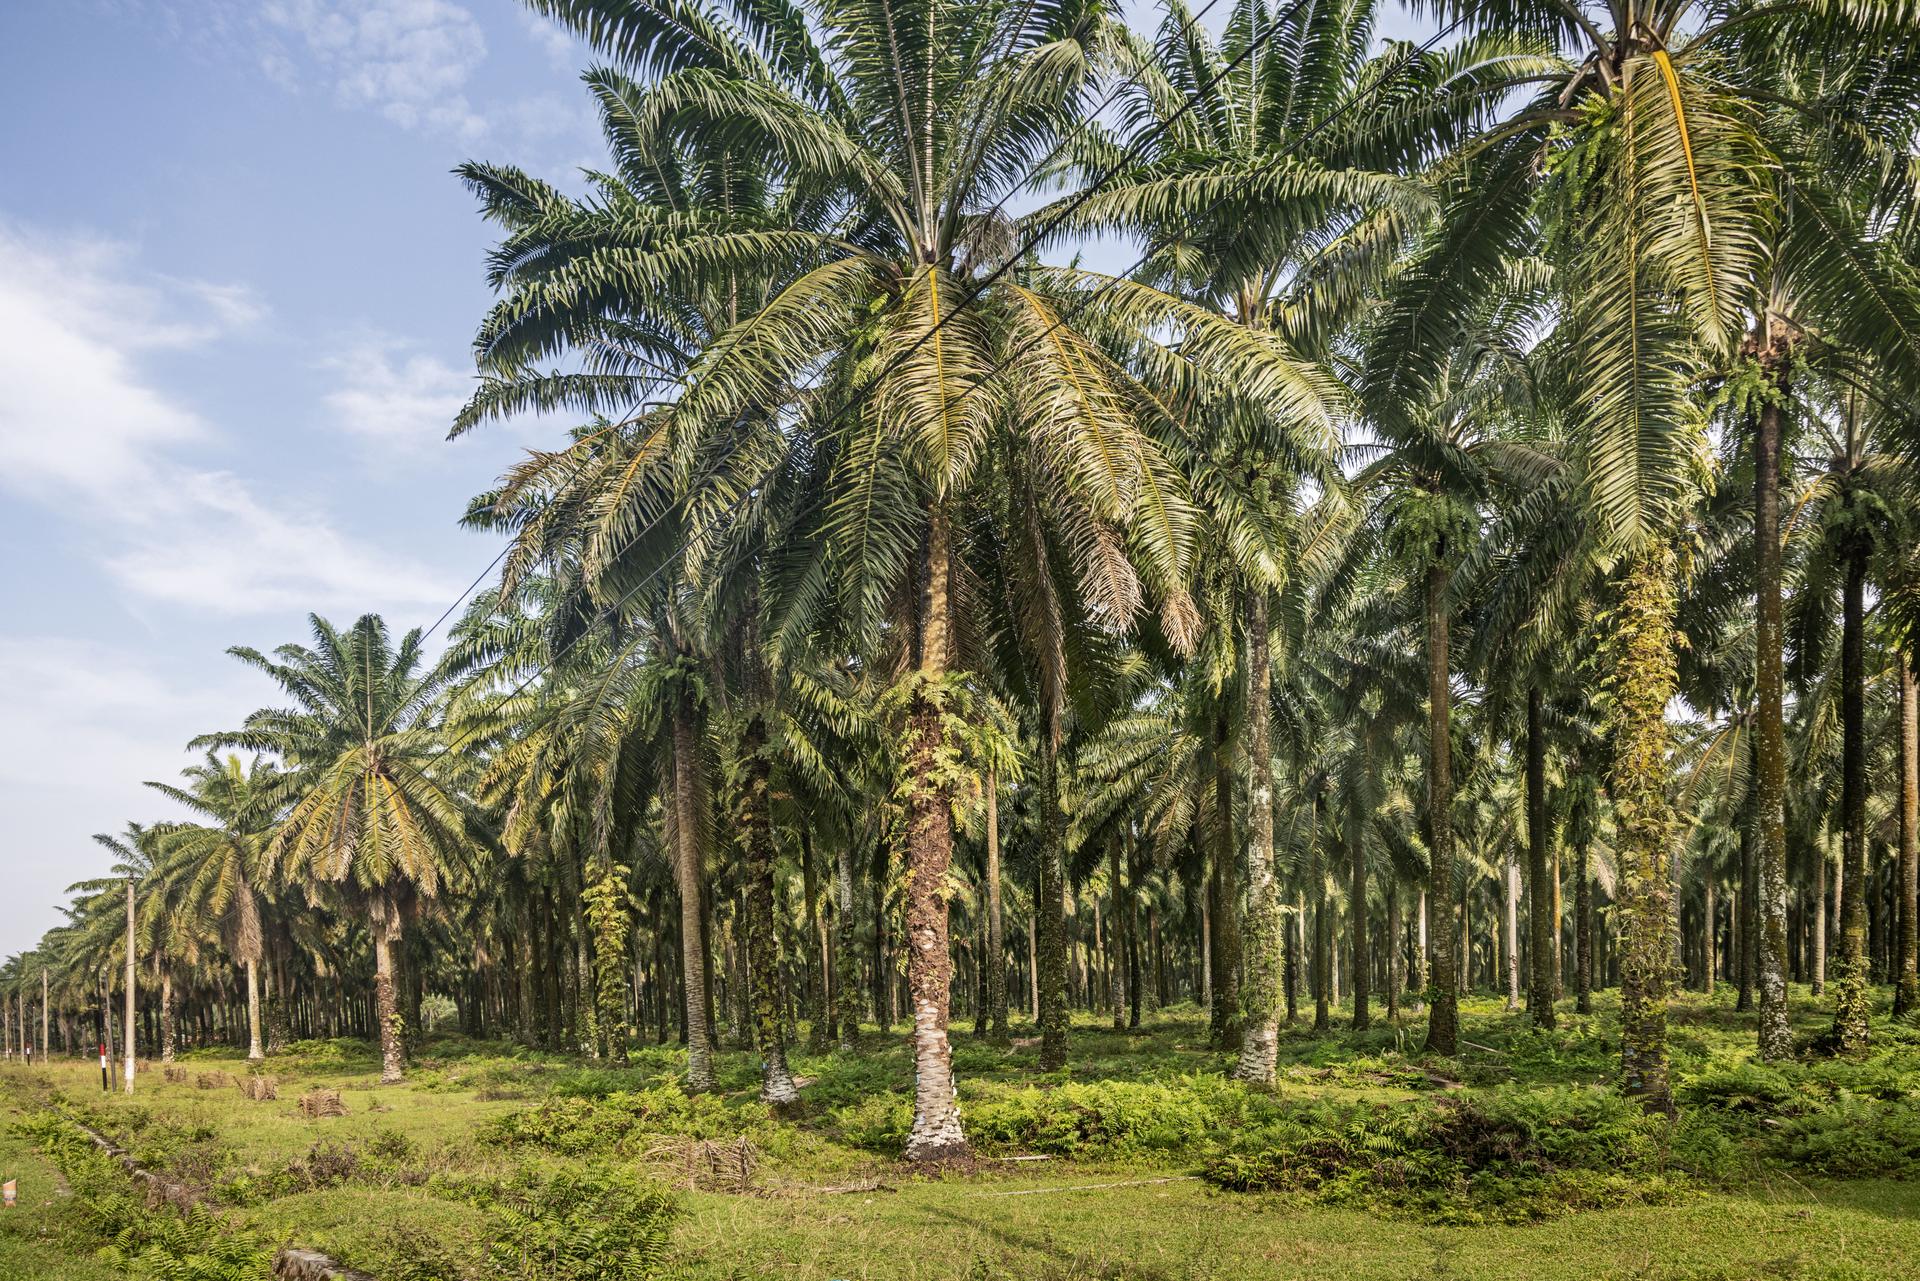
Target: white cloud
84, 431
555, 41
69, 701
396, 396
408, 59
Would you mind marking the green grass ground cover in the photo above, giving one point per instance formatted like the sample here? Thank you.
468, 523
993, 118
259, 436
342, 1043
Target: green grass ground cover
1141, 1161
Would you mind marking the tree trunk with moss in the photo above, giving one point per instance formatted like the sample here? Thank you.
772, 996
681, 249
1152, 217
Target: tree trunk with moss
1906, 956
753, 813
689, 873
1357, 904
936, 1134
846, 953
605, 901
820, 1011
1049, 919
1852, 1001
1769, 741
996, 958
1222, 901
1642, 680
1260, 939
1543, 928
1443, 1021
1322, 927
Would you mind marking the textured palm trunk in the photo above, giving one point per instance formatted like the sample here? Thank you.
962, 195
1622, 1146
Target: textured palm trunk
1393, 947
1117, 952
1817, 962
1710, 940
1769, 740
1509, 927
166, 1018
936, 1134
689, 874
385, 1007
1223, 889
1322, 928
607, 916
1643, 680
1357, 901
1260, 982
763, 945
820, 1011
1443, 1021
1583, 958
1906, 958
255, 1052
1746, 913
847, 953
1852, 1001
996, 958
1050, 923
1543, 889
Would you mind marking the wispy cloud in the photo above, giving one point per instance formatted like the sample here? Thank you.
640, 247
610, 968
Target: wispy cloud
395, 395
85, 431
408, 59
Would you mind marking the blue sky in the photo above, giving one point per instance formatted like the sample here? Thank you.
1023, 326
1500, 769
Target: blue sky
236, 287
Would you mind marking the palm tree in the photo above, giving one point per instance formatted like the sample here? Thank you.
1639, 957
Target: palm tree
371, 809
913, 333
224, 865
1278, 226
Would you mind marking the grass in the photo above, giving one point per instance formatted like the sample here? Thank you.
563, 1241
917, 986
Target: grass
38, 1236
1514, 1160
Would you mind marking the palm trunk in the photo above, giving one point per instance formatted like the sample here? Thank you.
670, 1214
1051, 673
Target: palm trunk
166, 1018
1643, 682
1443, 1022
255, 1053
1050, 923
690, 874
1509, 939
1322, 927
996, 957
847, 953
1906, 960
1260, 982
1852, 1001
392, 1064
1116, 933
1357, 904
1223, 894
1582, 930
1393, 946
1543, 890
936, 1134
820, 1011
763, 947
1769, 744
1817, 966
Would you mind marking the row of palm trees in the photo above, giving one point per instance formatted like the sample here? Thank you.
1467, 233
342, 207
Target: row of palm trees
1459, 481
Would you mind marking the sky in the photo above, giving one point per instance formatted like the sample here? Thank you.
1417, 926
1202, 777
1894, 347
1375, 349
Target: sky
237, 286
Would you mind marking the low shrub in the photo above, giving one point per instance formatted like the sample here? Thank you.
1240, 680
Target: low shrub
595, 1224
1462, 1160
573, 1126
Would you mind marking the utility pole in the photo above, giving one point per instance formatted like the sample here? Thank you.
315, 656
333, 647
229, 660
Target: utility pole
127, 1026
43, 1016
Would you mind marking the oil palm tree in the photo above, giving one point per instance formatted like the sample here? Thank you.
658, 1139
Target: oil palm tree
371, 808
224, 864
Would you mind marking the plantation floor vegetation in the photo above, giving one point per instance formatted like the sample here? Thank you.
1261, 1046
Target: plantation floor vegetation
1141, 1162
